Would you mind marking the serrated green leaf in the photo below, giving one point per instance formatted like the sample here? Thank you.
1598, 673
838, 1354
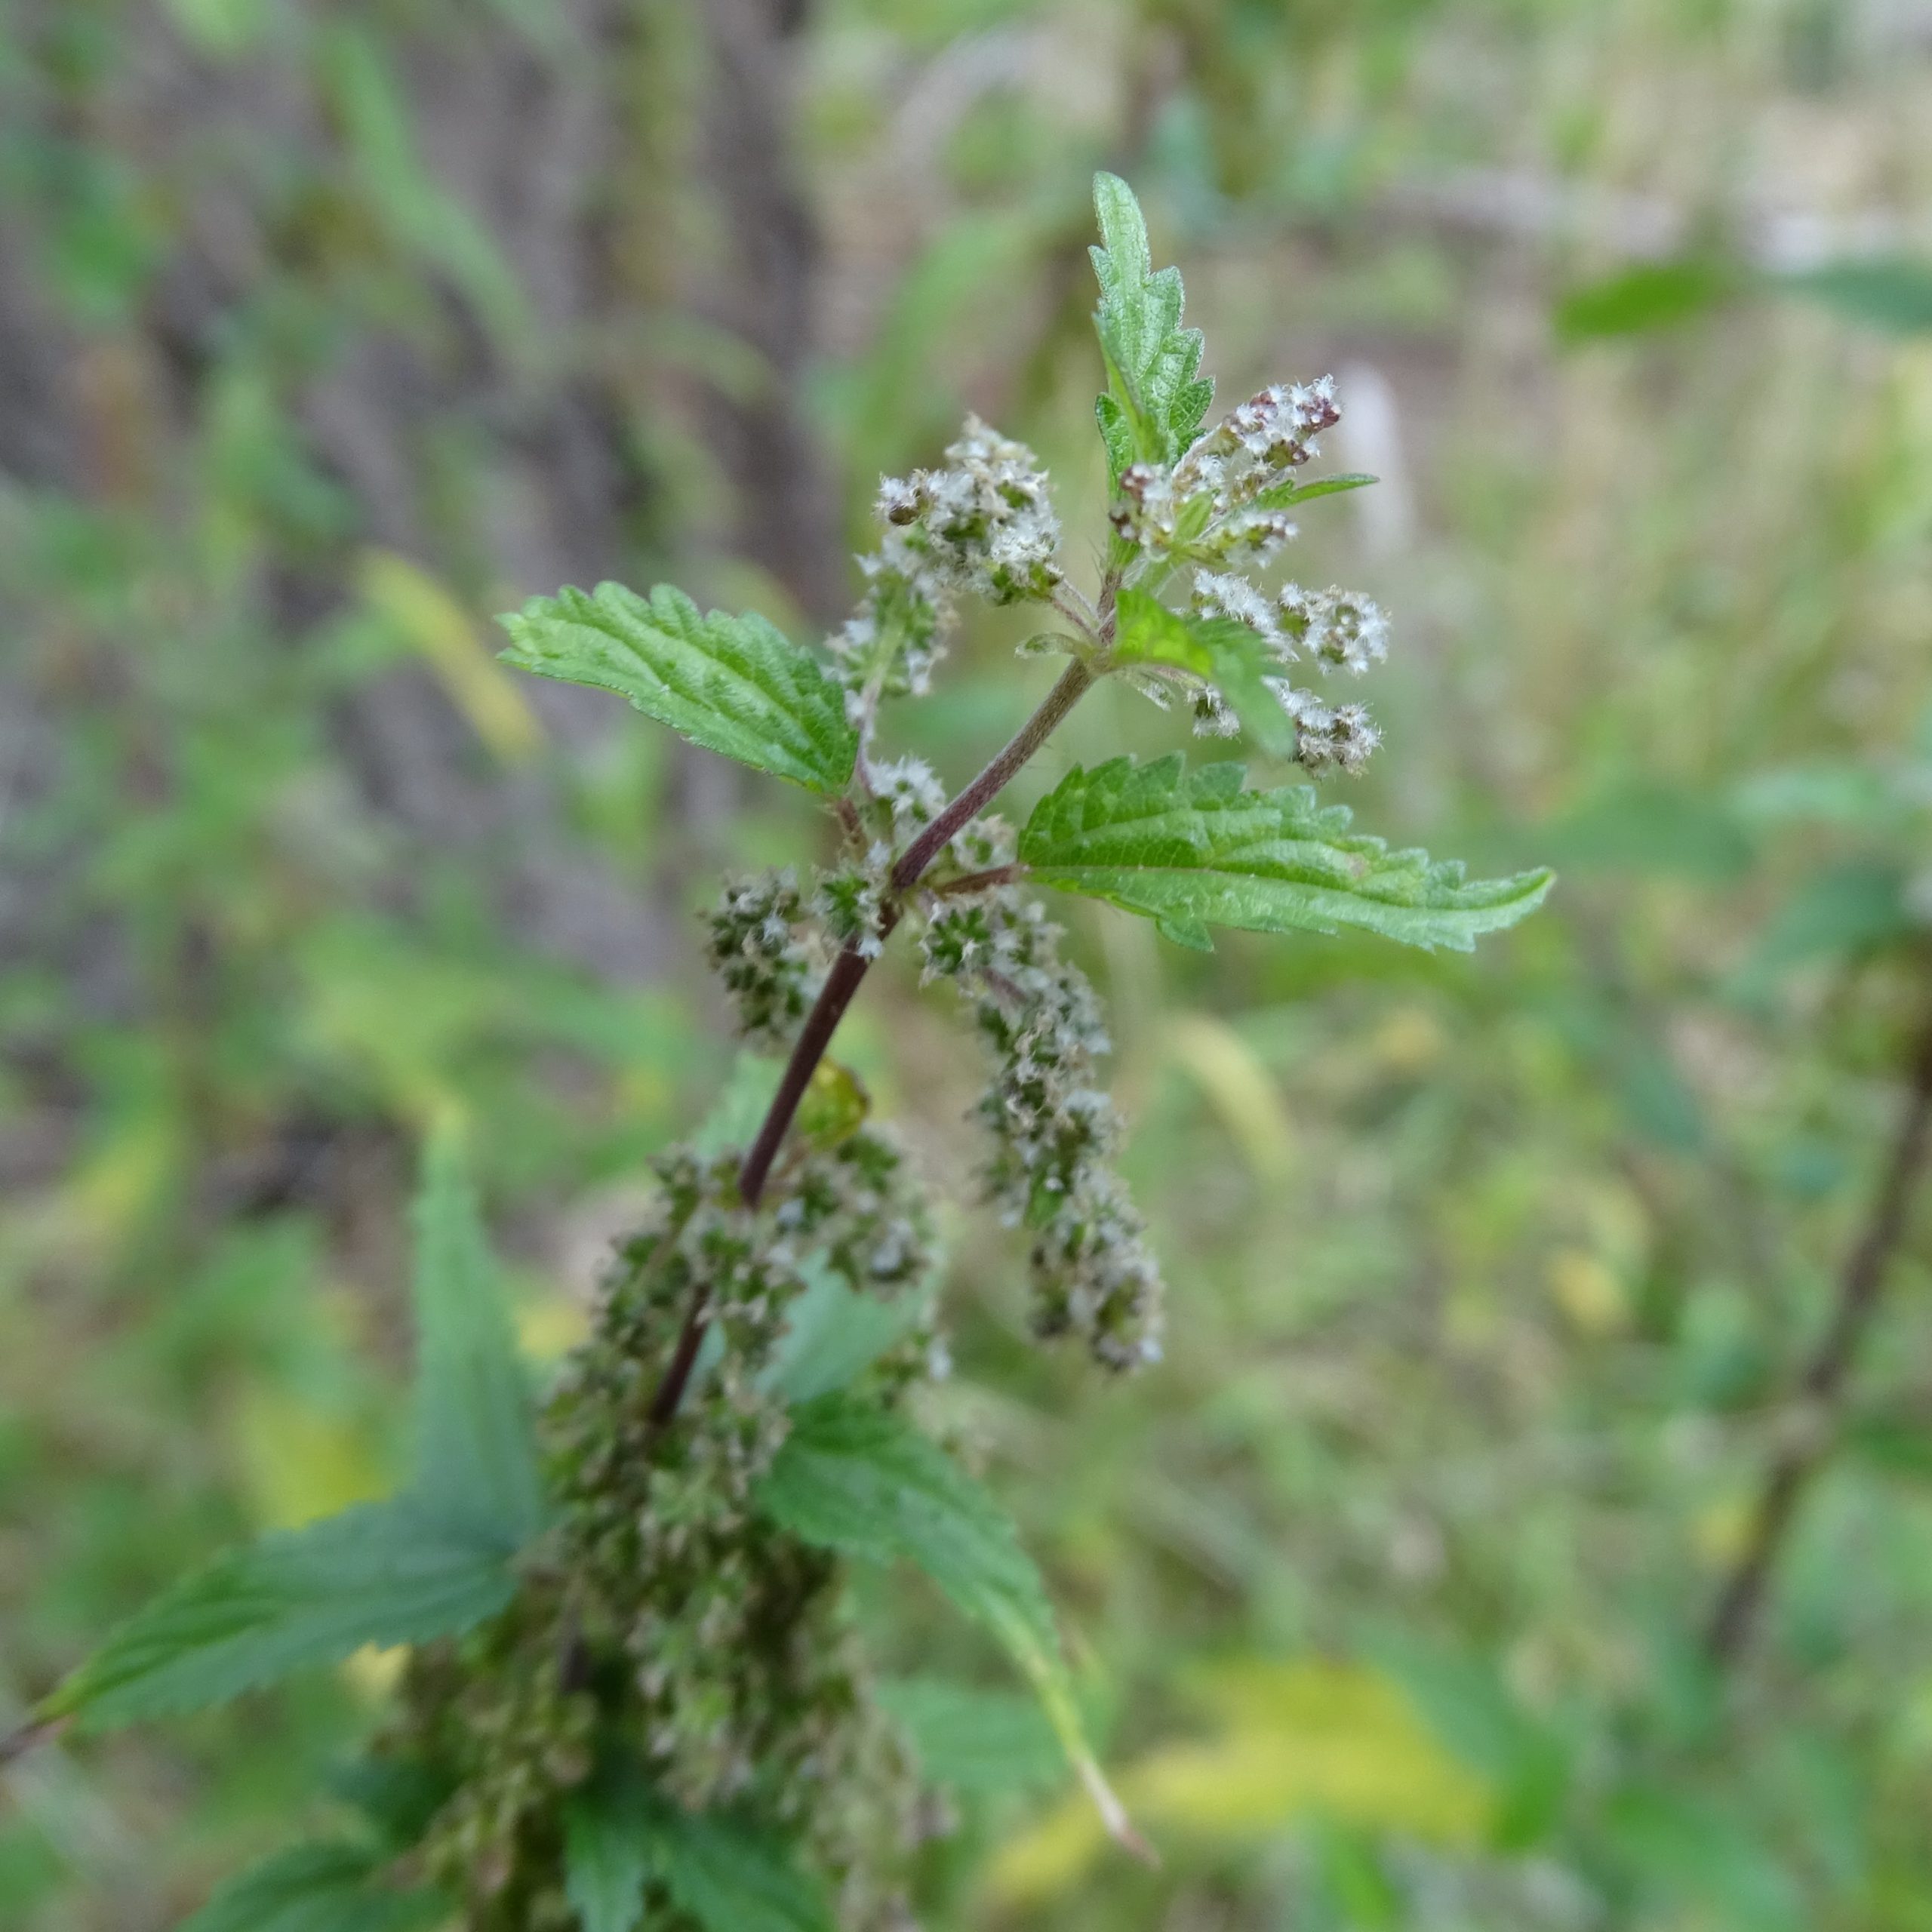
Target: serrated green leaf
607, 1850
832, 1332
725, 1872
475, 1456
317, 1888
383, 1573
731, 1877
1227, 652
864, 1482
1145, 632
736, 685
972, 1739
1156, 395
1192, 850
435, 1559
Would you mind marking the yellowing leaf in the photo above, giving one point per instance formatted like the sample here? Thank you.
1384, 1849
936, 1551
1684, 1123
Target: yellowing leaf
432, 621
299, 1461
835, 1107
123, 1181
1307, 1738
374, 1671
1588, 1291
549, 1326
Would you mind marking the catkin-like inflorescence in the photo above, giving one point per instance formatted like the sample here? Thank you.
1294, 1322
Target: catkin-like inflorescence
984, 522
675, 1616
850, 899
1335, 629
756, 947
693, 1584
1054, 1130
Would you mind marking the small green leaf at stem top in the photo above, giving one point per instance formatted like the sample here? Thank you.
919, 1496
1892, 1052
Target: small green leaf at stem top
1156, 396
1228, 654
1192, 850
381, 1574
733, 685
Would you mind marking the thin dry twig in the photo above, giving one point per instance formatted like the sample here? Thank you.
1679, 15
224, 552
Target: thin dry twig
1822, 1386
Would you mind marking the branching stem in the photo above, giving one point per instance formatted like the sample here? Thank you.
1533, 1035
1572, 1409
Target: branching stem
842, 982
1072, 686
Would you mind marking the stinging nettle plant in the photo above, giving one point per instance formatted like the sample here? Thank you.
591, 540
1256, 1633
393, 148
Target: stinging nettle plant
632, 1698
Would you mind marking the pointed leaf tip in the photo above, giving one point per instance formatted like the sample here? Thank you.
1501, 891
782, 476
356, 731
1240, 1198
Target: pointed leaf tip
864, 1482
1156, 396
476, 1459
1192, 850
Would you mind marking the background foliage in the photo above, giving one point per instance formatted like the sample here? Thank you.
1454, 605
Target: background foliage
326, 331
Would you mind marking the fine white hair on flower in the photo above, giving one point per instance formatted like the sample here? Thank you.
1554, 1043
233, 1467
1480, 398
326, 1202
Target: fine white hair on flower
1214, 717
1229, 494
982, 524
1223, 594
770, 972
911, 787
1335, 627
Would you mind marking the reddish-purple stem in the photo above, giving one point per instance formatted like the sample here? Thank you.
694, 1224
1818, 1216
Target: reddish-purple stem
840, 983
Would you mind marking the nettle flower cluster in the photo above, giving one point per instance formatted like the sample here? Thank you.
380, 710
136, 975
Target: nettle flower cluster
982, 526
1221, 503
635, 1702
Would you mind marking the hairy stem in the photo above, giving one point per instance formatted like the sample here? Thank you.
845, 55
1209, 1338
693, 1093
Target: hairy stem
1073, 684
842, 983
1821, 1385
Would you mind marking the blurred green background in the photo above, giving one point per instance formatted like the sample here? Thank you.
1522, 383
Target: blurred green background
327, 329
